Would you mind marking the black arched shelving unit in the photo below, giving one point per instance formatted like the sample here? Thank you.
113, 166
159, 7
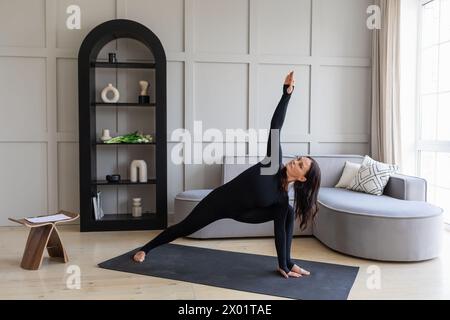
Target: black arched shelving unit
88, 139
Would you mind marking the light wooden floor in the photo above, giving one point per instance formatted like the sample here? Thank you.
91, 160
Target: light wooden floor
425, 280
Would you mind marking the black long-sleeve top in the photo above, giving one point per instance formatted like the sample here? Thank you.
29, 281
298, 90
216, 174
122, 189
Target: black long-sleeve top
263, 195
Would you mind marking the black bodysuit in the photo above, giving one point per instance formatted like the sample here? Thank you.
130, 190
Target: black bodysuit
250, 198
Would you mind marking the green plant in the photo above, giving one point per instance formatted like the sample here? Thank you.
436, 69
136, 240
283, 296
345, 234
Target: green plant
134, 137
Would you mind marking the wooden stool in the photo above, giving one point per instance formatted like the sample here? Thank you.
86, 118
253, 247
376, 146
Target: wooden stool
43, 235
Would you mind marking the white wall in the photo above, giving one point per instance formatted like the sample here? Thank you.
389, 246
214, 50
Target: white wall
226, 63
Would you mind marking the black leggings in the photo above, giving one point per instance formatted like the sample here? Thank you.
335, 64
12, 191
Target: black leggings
207, 211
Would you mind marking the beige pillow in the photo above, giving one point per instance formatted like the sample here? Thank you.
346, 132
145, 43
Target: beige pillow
349, 173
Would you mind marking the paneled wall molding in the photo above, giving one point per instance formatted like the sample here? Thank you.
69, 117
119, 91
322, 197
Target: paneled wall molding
292, 138
52, 146
226, 60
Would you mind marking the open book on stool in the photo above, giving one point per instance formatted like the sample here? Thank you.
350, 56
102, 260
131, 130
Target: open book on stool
44, 235
50, 218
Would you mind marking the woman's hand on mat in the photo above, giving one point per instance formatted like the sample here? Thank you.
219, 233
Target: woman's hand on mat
139, 256
300, 271
290, 274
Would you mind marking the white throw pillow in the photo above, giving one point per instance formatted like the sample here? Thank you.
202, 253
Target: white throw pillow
350, 171
372, 177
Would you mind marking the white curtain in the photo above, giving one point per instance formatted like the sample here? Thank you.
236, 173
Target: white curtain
385, 124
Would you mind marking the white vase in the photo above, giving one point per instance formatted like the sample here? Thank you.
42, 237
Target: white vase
105, 135
142, 167
115, 92
136, 210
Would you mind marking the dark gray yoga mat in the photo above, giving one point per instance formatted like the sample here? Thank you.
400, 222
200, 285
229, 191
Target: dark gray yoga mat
239, 271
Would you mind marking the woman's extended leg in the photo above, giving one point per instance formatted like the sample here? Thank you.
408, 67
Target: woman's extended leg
205, 212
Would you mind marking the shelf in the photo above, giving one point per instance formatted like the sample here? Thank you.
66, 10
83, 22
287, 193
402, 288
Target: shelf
93, 111
127, 216
125, 65
123, 104
98, 143
121, 222
121, 183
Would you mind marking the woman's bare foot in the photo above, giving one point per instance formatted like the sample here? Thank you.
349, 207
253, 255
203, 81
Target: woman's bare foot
290, 81
290, 274
139, 256
299, 270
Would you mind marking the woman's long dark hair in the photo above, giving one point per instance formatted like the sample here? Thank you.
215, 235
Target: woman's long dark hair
305, 194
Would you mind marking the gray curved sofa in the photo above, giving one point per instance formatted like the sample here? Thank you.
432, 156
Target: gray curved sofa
397, 226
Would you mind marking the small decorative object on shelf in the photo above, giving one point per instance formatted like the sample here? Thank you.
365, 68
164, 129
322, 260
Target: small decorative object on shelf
149, 137
110, 88
113, 178
136, 210
134, 137
142, 167
112, 57
144, 97
105, 135
97, 203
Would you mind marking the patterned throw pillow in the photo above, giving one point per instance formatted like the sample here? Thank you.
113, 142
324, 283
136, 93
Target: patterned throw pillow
372, 177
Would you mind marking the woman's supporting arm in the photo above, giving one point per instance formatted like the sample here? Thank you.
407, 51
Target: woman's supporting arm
290, 221
280, 237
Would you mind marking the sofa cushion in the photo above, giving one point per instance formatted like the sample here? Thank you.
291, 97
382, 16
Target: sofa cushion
198, 195
372, 177
193, 195
379, 206
348, 174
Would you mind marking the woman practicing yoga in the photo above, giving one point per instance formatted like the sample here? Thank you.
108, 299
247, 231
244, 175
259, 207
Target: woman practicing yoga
253, 197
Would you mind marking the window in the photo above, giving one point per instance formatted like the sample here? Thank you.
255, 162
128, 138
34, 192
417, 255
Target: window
433, 139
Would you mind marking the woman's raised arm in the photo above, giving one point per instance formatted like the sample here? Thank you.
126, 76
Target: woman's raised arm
280, 114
